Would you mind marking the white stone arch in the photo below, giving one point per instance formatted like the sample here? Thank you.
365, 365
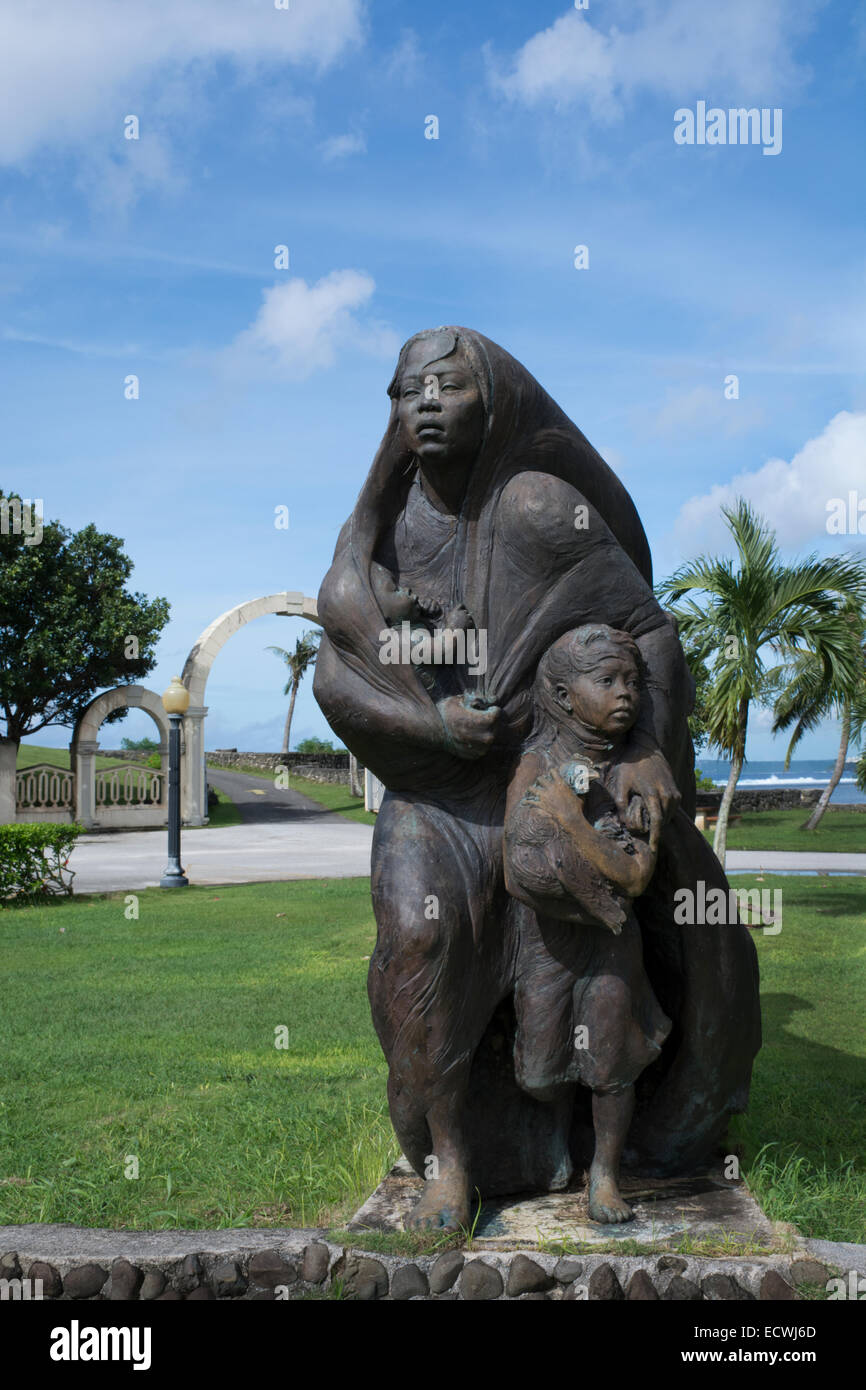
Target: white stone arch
85, 744
291, 604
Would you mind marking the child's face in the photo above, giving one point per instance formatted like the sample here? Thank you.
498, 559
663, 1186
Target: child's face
607, 698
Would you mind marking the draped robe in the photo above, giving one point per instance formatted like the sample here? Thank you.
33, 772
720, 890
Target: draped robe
546, 539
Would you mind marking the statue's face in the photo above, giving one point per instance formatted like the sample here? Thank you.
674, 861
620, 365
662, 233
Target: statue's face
440, 408
607, 698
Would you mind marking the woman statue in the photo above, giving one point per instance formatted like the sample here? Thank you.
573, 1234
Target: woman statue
485, 499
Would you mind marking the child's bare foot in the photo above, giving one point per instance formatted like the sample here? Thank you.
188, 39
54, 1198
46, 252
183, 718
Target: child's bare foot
606, 1204
444, 1205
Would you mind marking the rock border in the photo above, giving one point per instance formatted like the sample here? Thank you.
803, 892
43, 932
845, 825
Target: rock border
170, 1266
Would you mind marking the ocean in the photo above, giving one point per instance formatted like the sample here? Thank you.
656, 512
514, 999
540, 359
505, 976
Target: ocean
807, 773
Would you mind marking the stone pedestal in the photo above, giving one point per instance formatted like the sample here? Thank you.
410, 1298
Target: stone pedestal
702, 1206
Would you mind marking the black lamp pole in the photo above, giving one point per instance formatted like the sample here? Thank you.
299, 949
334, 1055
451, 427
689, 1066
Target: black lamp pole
174, 876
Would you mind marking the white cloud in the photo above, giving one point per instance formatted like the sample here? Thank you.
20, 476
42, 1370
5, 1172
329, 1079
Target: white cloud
701, 410
792, 496
301, 328
341, 146
69, 73
404, 61
681, 49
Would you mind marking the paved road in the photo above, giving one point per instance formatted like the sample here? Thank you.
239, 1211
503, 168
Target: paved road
284, 835
261, 803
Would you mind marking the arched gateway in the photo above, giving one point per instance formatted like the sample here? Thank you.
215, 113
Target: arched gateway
196, 672
123, 804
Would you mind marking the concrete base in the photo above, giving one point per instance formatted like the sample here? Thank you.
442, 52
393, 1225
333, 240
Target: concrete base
702, 1206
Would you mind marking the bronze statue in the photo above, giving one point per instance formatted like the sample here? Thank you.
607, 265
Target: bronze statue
486, 511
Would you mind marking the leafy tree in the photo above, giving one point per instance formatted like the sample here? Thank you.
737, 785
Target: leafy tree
751, 607
298, 663
68, 626
317, 745
808, 694
141, 745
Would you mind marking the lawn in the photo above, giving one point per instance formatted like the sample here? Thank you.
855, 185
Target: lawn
155, 1040
225, 812
807, 1113
838, 831
29, 754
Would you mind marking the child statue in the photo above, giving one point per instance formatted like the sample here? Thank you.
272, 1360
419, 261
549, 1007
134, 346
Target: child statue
586, 1012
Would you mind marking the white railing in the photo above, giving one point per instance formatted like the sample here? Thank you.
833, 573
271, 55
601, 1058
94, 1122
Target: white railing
44, 788
130, 785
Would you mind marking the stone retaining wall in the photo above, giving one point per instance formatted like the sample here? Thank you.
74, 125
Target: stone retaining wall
317, 767
760, 799
75, 1265
129, 755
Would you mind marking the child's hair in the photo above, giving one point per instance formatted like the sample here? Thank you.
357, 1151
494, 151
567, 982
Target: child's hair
575, 653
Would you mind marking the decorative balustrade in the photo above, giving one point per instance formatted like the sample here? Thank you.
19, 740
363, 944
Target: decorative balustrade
44, 787
130, 785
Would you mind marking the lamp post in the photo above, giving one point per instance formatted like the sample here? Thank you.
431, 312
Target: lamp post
176, 702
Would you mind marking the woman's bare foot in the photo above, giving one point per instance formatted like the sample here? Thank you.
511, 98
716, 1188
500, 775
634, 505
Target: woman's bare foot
444, 1205
606, 1203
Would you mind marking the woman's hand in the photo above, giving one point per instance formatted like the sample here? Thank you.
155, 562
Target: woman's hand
644, 774
470, 730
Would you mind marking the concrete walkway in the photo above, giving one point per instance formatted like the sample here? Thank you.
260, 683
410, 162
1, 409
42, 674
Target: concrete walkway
320, 846
790, 861
284, 835
332, 848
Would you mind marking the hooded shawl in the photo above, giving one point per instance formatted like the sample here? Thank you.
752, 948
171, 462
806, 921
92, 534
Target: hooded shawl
383, 712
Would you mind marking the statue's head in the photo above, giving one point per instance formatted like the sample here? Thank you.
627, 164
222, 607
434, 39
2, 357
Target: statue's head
592, 676
440, 398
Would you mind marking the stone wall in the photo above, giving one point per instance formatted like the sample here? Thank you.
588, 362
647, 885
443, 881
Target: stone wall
75, 1264
128, 755
760, 799
317, 767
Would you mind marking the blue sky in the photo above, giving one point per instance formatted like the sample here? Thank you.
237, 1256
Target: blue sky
305, 127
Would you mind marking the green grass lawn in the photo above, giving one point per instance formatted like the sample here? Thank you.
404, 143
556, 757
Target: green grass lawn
837, 832
155, 1039
332, 796
29, 754
225, 813
804, 1136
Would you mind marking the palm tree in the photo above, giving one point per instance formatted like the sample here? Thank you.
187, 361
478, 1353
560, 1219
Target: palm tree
807, 696
759, 603
298, 663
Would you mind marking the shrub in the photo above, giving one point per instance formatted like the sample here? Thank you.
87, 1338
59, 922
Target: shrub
34, 860
153, 761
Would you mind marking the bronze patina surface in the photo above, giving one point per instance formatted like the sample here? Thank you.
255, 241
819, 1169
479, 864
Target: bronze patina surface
489, 524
